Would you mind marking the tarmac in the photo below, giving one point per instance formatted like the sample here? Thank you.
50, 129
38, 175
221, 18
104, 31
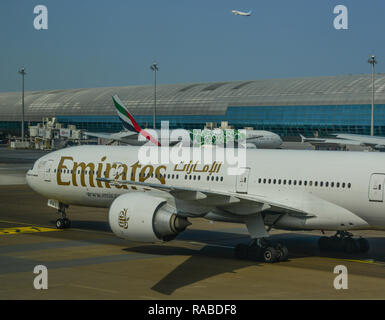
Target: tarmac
89, 262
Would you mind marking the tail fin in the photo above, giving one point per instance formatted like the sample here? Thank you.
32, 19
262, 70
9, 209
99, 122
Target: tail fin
127, 119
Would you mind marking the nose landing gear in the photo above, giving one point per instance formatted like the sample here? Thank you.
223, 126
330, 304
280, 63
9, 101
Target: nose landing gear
343, 241
63, 222
262, 250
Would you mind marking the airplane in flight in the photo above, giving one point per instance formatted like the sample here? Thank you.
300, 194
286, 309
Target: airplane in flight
241, 13
377, 143
254, 138
281, 189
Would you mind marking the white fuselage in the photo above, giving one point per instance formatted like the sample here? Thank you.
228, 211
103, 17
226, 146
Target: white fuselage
341, 178
263, 139
259, 139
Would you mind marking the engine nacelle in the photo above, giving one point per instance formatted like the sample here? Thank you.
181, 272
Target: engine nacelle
141, 217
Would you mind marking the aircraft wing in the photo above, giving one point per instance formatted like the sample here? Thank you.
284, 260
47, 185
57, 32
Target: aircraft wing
365, 140
206, 197
330, 141
296, 209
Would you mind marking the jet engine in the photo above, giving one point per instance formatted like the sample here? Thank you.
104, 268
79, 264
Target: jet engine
142, 217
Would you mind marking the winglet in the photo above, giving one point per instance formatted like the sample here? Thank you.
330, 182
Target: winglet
303, 139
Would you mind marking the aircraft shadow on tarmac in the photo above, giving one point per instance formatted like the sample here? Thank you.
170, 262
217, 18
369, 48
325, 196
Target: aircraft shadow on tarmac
88, 225
217, 255
212, 260
202, 264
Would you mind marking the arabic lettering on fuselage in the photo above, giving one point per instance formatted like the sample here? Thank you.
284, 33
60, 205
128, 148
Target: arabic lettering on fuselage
190, 167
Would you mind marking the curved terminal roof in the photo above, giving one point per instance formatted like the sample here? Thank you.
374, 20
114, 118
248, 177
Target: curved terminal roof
196, 98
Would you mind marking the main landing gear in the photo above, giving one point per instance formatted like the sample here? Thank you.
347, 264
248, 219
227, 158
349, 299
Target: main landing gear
343, 241
263, 250
63, 222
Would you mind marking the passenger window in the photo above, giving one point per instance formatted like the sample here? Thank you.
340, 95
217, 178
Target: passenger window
310, 183
315, 183
332, 184
349, 185
338, 185
300, 182
326, 184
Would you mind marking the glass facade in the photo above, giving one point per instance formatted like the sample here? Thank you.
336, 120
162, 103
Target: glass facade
283, 120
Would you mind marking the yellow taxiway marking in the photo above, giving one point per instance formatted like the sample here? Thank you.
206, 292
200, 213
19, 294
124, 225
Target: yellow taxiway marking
369, 261
15, 222
31, 229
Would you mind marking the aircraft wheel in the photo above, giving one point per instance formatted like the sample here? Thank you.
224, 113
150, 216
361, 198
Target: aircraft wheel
60, 224
67, 223
270, 255
283, 252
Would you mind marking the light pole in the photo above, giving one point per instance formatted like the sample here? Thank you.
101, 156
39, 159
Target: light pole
23, 73
372, 60
154, 67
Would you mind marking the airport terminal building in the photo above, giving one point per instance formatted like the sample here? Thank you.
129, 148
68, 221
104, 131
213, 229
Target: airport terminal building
285, 106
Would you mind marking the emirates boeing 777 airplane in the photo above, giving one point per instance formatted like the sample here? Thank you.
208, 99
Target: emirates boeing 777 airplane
282, 189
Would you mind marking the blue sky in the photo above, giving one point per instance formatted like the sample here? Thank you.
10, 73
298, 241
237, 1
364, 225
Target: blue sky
112, 43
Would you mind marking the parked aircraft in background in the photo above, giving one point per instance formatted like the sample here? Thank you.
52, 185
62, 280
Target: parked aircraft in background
241, 13
282, 189
254, 138
377, 143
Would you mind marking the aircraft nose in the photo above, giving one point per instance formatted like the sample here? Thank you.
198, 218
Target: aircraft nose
278, 138
29, 179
